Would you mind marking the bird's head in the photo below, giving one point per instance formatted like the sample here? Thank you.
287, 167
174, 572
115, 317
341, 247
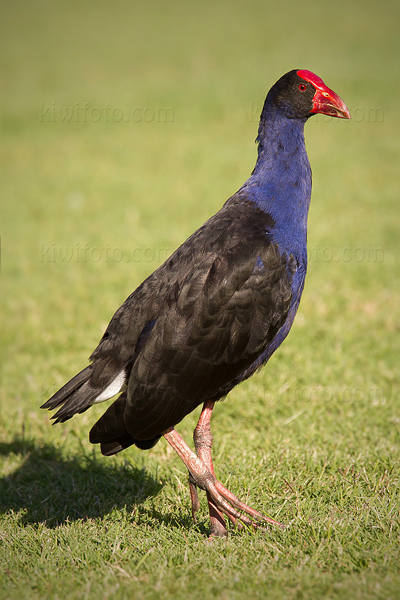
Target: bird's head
301, 94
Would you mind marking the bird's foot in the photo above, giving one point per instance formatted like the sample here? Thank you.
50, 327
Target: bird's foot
220, 499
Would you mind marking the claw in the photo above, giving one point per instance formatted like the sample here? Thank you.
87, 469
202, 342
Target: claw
194, 498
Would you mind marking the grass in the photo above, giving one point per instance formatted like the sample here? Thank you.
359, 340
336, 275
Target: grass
90, 207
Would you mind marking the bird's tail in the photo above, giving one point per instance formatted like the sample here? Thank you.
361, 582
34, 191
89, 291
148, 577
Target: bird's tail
74, 397
111, 433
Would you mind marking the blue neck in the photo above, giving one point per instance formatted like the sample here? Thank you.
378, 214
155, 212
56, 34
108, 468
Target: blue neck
281, 181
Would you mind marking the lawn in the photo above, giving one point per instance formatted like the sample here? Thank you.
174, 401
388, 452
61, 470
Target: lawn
124, 126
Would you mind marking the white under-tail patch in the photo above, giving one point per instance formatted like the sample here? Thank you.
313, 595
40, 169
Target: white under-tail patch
111, 390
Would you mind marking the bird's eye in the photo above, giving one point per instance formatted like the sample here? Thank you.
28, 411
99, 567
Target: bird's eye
302, 87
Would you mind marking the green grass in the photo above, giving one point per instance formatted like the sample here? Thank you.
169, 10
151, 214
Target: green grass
90, 208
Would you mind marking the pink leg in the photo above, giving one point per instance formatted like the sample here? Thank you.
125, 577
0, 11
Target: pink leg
203, 440
201, 470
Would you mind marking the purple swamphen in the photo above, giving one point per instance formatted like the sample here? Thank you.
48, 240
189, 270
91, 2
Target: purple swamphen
215, 311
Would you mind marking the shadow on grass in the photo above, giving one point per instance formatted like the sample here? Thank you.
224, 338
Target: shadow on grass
49, 488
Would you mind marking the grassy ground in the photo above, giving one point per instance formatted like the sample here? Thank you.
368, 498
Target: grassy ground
124, 126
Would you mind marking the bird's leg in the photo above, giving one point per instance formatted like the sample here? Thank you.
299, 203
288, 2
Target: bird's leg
203, 440
201, 476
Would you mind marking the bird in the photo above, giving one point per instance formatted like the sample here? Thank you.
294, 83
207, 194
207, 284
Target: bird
214, 312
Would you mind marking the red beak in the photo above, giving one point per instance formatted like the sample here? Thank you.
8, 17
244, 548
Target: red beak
325, 100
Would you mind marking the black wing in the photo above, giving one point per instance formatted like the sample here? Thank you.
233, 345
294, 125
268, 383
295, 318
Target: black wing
205, 317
